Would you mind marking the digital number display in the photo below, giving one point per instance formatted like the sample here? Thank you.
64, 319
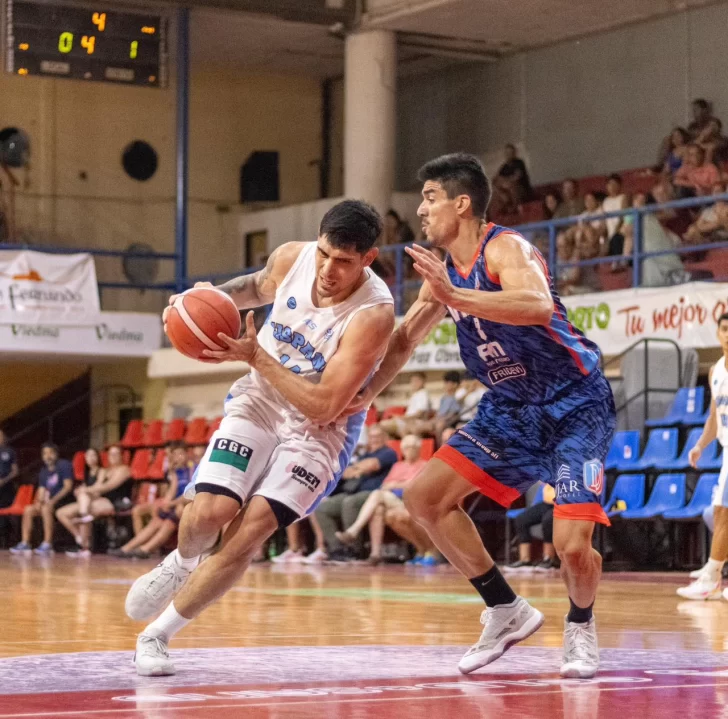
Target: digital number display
85, 42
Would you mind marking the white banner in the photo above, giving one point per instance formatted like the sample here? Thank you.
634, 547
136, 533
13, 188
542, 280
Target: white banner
114, 334
39, 287
615, 320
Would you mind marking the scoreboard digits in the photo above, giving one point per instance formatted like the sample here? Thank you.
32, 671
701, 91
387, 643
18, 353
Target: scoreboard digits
85, 42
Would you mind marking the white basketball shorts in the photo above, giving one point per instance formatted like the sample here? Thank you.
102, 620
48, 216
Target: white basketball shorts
259, 450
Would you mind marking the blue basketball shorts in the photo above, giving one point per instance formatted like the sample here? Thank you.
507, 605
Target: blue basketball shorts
508, 447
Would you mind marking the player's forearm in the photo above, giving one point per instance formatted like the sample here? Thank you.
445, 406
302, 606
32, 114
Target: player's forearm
312, 401
510, 307
710, 431
399, 350
244, 291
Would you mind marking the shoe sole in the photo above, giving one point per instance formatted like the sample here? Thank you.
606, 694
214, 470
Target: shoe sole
707, 598
576, 673
530, 627
156, 672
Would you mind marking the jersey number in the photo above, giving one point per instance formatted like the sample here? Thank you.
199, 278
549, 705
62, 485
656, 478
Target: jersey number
295, 369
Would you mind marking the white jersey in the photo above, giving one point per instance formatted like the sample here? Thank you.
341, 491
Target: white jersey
719, 392
304, 338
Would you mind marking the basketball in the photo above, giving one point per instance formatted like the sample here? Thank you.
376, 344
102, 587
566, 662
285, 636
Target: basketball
196, 318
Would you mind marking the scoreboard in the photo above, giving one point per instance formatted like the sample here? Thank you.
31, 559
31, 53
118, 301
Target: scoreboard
85, 42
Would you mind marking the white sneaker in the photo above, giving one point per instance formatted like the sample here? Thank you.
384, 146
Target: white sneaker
696, 573
581, 651
152, 656
702, 588
504, 625
153, 591
288, 557
317, 557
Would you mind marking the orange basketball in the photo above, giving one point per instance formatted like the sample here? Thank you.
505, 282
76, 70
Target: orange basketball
196, 318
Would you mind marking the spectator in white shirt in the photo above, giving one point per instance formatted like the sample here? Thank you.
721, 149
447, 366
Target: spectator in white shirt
418, 408
469, 395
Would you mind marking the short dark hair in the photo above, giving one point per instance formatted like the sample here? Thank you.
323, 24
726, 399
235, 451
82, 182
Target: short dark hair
351, 223
701, 103
452, 376
724, 316
616, 177
177, 444
50, 445
460, 174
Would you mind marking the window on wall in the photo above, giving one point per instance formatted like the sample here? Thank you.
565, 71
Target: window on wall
256, 248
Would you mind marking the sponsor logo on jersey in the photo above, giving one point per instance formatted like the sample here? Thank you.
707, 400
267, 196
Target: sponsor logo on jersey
310, 324
304, 477
565, 485
509, 371
594, 476
232, 453
291, 304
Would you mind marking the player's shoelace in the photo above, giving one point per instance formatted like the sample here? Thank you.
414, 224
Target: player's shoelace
580, 644
158, 586
153, 646
487, 619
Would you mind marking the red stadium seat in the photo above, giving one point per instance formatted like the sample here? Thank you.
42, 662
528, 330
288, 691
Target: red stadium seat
196, 431
396, 411
212, 428
428, 448
140, 463
23, 497
153, 437
79, 465
175, 430
156, 467
372, 416
134, 435
396, 445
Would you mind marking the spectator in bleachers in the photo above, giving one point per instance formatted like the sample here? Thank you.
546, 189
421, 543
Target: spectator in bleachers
418, 408
447, 412
469, 395
673, 151
359, 480
512, 183
294, 553
580, 242
8, 472
713, 141
701, 117
388, 497
168, 511
657, 271
197, 453
551, 204
541, 513
593, 208
97, 496
571, 203
55, 483
696, 177
712, 223
676, 220
616, 199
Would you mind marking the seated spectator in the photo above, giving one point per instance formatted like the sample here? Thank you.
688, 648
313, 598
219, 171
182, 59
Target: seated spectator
676, 220
571, 204
551, 204
616, 199
593, 208
359, 480
197, 453
388, 497
713, 141
8, 472
418, 408
657, 271
580, 242
469, 395
294, 553
96, 497
696, 177
701, 117
543, 514
55, 483
448, 411
673, 151
712, 223
512, 183
168, 510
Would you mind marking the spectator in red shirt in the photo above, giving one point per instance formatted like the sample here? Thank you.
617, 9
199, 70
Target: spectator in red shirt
388, 497
696, 176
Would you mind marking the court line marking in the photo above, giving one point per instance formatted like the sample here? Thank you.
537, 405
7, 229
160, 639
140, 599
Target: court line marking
242, 705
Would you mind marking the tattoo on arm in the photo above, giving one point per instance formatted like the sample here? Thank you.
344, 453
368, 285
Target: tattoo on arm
251, 290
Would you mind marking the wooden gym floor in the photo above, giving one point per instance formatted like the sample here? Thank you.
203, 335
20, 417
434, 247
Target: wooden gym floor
348, 642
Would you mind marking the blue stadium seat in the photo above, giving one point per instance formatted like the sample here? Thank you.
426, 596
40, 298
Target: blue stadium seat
625, 447
702, 497
538, 497
667, 494
661, 447
631, 489
682, 461
711, 460
686, 408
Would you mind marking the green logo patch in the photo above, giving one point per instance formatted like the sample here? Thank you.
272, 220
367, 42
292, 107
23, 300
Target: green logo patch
228, 451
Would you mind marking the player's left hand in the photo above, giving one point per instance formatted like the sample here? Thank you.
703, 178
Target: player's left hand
433, 271
242, 350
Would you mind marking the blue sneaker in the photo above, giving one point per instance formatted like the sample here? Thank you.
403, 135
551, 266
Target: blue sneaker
429, 560
21, 548
415, 561
45, 549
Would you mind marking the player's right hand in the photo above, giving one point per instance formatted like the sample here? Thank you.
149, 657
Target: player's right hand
171, 300
360, 403
694, 455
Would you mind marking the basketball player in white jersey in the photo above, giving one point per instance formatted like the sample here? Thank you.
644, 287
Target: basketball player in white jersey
283, 444
707, 584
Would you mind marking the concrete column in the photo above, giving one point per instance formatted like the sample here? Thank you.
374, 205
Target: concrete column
370, 84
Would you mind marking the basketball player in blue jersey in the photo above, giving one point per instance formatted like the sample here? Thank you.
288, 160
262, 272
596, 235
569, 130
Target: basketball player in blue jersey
548, 415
